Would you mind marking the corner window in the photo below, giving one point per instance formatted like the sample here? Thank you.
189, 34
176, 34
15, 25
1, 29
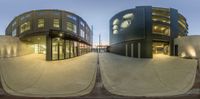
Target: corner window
71, 27
56, 23
40, 23
25, 27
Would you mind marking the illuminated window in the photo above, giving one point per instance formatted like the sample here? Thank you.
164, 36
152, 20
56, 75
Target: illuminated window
115, 26
25, 27
71, 27
14, 32
127, 18
56, 23
161, 30
116, 22
40, 23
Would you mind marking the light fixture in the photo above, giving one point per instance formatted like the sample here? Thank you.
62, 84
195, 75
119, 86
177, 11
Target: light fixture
60, 34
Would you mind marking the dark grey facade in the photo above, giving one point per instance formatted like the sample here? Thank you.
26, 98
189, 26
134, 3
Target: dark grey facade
145, 30
58, 34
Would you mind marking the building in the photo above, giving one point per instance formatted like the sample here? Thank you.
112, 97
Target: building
58, 34
144, 31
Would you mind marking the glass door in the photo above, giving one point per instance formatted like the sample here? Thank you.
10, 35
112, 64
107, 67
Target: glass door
54, 50
57, 49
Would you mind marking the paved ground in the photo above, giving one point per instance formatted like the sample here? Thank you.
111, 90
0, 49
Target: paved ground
99, 92
160, 76
31, 75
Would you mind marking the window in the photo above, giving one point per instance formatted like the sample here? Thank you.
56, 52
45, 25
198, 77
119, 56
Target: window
71, 27
115, 26
56, 23
40, 23
14, 32
161, 30
24, 17
127, 18
56, 13
72, 17
13, 24
25, 27
82, 33
82, 24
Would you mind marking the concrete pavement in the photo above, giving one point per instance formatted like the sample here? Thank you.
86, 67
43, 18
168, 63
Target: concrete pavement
32, 76
160, 76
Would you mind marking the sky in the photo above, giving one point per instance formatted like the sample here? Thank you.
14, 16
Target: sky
97, 13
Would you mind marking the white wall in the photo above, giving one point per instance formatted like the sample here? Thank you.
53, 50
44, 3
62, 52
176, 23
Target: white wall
188, 46
12, 46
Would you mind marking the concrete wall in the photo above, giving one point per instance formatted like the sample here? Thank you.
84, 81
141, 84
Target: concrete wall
12, 47
188, 46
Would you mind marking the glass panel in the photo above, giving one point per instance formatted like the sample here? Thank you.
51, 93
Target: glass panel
40, 23
82, 33
75, 48
67, 50
160, 48
72, 17
54, 49
71, 49
25, 27
57, 49
71, 27
56, 23
61, 49
14, 32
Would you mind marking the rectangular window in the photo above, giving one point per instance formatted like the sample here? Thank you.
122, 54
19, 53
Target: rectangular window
25, 27
82, 24
71, 27
40, 23
82, 33
56, 23
14, 32
72, 17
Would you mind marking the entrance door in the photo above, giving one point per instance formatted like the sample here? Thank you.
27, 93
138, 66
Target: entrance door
57, 49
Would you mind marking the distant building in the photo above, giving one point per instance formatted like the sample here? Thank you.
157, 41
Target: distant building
56, 33
145, 30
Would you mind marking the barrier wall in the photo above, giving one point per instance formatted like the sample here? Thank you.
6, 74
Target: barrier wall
12, 47
188, 46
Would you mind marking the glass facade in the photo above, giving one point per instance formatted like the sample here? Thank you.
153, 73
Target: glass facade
64, 49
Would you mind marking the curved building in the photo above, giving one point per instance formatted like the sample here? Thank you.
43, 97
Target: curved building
56, 33
145, 30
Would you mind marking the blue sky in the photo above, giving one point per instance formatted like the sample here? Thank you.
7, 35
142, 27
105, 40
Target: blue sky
98, 12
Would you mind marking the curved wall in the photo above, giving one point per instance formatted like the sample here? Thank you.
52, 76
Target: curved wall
148, 25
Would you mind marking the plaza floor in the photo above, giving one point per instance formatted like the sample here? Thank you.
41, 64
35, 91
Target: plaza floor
161, 76
116, 77
32, 76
